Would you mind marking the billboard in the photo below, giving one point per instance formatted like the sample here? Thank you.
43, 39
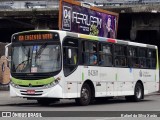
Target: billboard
81, 18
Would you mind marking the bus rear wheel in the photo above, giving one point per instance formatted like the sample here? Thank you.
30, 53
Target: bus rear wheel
138, 93
85, 96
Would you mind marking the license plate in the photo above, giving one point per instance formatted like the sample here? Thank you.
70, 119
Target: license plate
30, 91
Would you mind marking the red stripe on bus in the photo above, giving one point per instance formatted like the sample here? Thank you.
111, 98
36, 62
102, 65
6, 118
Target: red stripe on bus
111, 40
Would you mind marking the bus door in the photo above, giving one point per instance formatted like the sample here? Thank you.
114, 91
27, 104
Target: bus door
70, 66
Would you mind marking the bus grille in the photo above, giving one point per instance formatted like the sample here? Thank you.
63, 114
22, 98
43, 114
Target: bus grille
30, 77
37, 93
32, 86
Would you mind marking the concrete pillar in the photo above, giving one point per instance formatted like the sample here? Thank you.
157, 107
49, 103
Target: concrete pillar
158, 34
133, 34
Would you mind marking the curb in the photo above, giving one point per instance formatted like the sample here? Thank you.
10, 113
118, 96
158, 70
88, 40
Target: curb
4, 87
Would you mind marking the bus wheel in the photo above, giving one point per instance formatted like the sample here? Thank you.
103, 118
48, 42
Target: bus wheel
85, 96
138, 92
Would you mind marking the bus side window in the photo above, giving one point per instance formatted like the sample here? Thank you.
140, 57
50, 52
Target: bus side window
105, 54
151, 58
93, 53
116, 62
129, 50
85, 52
74, 54
142, 57
120, 56
133, 60
154, 59
89, 55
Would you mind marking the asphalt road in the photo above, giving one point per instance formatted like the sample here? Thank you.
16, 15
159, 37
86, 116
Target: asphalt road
68, 108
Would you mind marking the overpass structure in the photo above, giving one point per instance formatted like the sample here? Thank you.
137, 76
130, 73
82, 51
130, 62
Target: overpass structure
137, 22
21, 15
144, 23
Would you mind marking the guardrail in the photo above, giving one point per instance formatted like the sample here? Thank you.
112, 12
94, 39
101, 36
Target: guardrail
47, 4
128, 4
119, 3
13, 4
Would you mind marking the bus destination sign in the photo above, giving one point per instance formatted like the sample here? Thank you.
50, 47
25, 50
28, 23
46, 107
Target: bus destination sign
29, 37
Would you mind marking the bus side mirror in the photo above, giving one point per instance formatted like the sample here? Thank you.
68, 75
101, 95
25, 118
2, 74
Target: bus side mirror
6, 49
69, 53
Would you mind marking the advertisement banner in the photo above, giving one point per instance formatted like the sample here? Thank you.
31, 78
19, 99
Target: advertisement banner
81, 18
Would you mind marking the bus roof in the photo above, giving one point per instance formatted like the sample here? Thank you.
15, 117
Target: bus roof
110, 40
96, 38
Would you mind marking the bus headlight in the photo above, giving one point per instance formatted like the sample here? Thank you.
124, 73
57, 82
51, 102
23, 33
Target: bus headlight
55, 82
14, 85
50, 85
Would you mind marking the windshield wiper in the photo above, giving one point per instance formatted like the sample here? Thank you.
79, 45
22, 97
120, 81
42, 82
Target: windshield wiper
41, 49
24, 62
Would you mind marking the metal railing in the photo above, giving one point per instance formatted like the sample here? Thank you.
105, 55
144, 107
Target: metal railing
49, 4
119, 3
29, 4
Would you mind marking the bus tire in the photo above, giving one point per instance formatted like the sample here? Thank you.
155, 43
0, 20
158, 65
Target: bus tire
85, 96
138, 92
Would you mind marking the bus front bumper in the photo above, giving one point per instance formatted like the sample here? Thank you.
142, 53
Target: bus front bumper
53, 92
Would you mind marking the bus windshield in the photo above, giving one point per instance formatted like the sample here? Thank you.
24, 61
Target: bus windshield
38, 58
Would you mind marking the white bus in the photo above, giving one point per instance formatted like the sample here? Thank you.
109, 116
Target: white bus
48, 65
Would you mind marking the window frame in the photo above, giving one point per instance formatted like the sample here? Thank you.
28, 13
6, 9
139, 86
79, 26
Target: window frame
121, 56
142, 58
66, 73
101, 44
154, 57
132, 58
88, 52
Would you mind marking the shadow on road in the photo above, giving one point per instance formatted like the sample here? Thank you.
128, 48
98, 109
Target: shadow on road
71, 103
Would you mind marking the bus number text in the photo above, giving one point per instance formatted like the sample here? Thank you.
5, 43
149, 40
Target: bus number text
92, 72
